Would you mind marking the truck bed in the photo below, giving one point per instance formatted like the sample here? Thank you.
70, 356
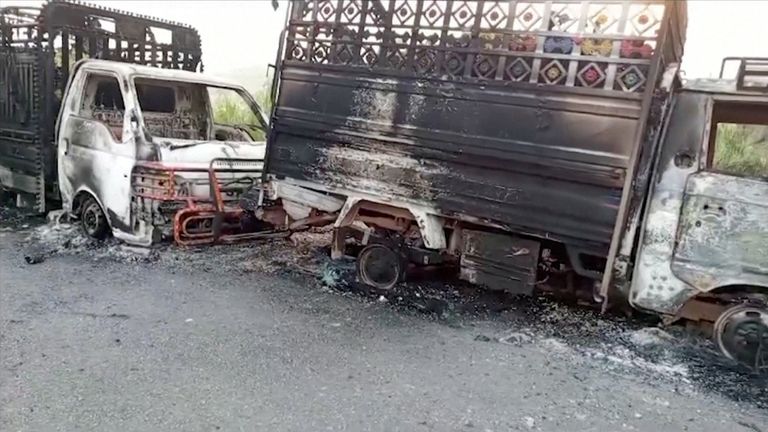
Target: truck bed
445, 120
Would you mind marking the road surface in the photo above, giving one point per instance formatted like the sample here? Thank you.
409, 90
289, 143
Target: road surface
101, 338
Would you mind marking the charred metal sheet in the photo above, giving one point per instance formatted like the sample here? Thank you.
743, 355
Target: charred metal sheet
411, 103
499, 262
655, 286
22, 130
458, 160
723, 234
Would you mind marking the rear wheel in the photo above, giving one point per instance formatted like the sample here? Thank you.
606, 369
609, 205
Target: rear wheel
93, 220
741, 333
380, 267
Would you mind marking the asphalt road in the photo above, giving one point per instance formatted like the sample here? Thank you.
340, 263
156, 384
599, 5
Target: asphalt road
100, 339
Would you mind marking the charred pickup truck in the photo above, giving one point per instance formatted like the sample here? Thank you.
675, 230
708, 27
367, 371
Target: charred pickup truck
105, 114
531, 145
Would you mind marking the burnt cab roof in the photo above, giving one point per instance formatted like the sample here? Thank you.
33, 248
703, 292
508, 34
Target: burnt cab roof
722, 86
750, 83
135, 70
732, 105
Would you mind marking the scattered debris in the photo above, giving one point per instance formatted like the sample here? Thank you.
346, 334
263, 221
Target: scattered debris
34, 258
516, 339
650, 336
529, 422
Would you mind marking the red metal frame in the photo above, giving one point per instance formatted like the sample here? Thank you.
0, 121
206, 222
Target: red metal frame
219, 217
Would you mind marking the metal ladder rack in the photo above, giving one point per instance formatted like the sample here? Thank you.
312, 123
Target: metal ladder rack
752, 73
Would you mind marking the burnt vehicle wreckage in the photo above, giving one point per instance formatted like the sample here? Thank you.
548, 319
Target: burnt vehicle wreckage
104, 113
538, 145
526, 145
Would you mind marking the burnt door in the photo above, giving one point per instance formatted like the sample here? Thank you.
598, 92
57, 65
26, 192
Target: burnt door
722, 236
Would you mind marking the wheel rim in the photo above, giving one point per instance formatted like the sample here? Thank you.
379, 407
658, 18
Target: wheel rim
741, 333
380, 267
91, 218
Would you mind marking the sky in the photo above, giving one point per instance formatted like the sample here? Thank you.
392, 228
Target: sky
240, 37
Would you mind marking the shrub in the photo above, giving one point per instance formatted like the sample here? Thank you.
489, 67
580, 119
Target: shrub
740, 150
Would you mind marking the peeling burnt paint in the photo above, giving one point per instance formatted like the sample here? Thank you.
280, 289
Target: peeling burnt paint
390, 174
484, 158
723, 235
654, 285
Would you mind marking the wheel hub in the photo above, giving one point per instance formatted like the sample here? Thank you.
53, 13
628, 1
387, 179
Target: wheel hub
91, 218
741, 333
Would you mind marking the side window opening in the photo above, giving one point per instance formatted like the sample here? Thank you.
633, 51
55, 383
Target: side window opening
103, 101
233, 117
739, 140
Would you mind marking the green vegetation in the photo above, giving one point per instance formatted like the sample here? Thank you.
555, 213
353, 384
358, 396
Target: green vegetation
231, 110
742, 149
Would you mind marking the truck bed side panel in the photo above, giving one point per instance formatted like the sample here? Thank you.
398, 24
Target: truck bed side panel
516, 116
553, 166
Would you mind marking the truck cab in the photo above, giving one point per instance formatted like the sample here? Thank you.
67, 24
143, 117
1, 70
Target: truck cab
703, 252
136, 143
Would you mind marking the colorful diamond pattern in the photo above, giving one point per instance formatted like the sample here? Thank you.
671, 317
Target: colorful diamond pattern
591, 75
553, 72
631, 79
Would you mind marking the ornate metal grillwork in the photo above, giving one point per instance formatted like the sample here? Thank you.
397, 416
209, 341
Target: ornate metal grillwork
606, 44
38, 47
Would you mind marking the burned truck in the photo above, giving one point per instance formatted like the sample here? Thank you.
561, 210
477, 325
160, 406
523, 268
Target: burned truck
105, 114
529, 145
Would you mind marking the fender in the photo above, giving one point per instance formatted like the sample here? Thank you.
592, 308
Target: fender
430, 225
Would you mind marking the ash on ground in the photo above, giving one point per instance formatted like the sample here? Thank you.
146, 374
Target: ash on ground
567, 333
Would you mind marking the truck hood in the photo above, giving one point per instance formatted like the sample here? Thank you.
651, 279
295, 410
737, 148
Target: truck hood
201, 153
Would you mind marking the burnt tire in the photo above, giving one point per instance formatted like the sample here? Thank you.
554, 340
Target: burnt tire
380, 267
93, 220
741, 334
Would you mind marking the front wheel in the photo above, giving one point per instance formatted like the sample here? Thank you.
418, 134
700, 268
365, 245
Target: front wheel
741, 333
93, 220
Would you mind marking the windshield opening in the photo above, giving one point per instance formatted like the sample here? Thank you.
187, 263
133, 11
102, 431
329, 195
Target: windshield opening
197, 112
